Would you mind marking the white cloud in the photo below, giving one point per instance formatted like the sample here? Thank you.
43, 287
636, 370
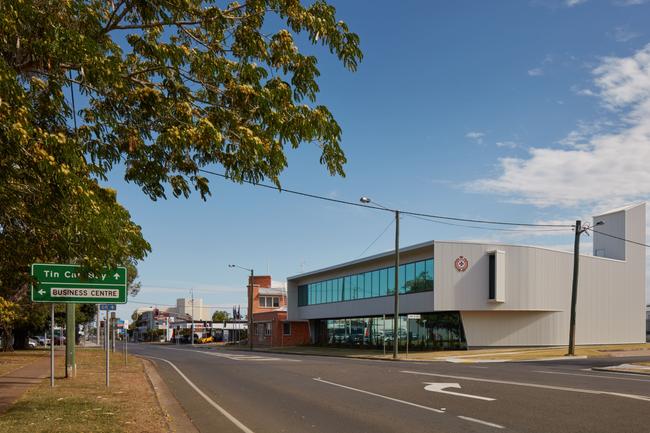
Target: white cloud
630, 2
508, 144
476, 136
535, 72
572, 3
623, 34
608, 166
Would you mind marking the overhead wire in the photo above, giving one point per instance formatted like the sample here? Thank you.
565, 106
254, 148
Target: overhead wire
618, 237
392, 221
369, 206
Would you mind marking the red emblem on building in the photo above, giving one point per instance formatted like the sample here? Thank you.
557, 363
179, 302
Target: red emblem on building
461, 264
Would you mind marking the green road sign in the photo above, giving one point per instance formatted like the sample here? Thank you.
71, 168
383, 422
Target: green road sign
68, 284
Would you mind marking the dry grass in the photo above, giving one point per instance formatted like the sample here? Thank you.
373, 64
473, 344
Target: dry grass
10, 361
83, 404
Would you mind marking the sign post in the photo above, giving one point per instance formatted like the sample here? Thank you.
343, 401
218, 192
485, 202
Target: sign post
51, 347
72, 284
107, 342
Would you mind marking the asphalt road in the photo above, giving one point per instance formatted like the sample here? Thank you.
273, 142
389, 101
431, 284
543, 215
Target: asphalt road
234, 391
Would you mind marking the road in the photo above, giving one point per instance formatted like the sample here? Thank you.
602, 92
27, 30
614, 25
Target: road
235, 391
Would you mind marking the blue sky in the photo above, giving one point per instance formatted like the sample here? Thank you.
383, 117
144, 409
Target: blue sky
519, 110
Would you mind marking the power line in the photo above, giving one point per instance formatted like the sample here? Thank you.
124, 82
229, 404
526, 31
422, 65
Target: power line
619, 238
351, 203
492, 228
377, 238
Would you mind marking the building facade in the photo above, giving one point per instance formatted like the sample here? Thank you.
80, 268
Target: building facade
271, 326
462, 294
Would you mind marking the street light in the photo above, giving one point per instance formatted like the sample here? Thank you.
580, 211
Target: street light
367, 200
250, 305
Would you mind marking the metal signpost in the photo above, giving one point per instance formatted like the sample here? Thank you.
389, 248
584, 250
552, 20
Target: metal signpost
51, 347
107, 342
71, 284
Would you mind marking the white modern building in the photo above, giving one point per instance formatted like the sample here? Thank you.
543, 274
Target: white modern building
483, 294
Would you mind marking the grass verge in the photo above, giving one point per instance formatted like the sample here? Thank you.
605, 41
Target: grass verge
83, 404
10, 361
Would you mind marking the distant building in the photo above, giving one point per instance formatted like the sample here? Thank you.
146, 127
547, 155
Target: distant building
198, 311
270, 324
461, 294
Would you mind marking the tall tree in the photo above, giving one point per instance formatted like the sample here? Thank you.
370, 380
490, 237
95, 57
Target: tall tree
174, 86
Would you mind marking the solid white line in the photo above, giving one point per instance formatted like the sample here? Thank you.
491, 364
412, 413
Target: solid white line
598, 376
533, 385
236, 356
223, 411
318, 379
480, 421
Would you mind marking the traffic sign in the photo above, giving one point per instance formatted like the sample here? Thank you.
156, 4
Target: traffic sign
107, 307
414, 316
71, 284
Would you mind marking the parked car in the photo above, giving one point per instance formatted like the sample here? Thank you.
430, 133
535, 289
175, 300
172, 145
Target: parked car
209, 339
32, 343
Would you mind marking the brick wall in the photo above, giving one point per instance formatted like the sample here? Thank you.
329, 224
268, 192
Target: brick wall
275, 319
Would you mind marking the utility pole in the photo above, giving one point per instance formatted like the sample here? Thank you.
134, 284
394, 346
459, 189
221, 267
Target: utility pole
396, 316
250, 312
192, 294
574, 288
367, 200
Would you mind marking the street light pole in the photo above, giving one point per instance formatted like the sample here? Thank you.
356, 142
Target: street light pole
396, 314
250, 312
250, 304
192, 294
366, 200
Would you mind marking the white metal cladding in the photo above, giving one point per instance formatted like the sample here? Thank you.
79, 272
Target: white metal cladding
611, 293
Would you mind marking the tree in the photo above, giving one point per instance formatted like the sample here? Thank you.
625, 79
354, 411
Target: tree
167, 88
220, 316
171, 87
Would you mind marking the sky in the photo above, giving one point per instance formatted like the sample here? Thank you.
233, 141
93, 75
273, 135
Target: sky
535, 111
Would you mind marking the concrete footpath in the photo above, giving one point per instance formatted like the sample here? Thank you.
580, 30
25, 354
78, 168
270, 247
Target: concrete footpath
14, 384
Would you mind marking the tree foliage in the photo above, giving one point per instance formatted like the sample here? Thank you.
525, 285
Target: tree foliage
163, 89
173, 86
220, 316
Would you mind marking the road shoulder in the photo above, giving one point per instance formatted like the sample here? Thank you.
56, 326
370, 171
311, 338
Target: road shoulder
176, 417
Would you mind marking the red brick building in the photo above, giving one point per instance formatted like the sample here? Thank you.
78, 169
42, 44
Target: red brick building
270, 324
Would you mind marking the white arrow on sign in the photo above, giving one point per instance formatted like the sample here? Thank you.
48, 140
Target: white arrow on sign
440, 387
116, 276
41, 292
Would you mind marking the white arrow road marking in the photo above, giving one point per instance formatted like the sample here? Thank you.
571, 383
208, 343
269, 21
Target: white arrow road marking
533, 385
408, 403
41, 292
440, 387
